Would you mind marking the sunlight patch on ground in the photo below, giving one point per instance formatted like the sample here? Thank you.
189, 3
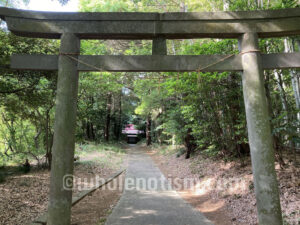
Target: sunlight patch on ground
145, 212
203, 187
210, 206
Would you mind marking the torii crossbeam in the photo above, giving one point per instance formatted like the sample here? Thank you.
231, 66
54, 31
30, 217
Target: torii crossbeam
247, 27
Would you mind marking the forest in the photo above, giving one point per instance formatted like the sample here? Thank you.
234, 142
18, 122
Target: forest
202, 111
197, 112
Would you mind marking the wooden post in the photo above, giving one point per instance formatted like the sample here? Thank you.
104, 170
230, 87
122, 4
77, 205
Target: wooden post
59, 209
259, 132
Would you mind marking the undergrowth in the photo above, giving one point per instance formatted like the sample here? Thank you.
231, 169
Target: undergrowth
104, 155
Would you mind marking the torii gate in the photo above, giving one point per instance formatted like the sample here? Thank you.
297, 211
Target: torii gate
72, 27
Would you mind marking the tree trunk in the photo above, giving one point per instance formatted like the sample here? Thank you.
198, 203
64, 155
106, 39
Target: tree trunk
295, 75
93, 136
48, 139
119, 120
148, 130
296, 84
90, 133
36, 139
276, 142
238, 146
47, 144
281, 91
284, 102
88, 130
189, 143
296, 88
108, 118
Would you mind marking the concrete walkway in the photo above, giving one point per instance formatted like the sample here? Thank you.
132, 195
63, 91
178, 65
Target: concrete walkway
152, 204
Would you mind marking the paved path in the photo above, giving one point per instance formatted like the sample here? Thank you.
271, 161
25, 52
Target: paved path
141, 205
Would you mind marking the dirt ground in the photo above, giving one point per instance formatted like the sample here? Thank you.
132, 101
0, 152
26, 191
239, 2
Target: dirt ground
24, 197
232, 204
94, 209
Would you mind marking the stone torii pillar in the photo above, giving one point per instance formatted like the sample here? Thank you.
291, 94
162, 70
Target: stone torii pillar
159, 46
259, 133
61, 182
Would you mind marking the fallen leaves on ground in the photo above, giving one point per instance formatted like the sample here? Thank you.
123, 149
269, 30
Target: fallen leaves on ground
234, 203
25, 197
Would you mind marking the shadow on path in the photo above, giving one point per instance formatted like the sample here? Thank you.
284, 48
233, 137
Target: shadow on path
148, 198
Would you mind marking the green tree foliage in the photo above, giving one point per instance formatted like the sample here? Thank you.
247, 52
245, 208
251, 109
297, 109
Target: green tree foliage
203, 111
211, 104
26, 100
